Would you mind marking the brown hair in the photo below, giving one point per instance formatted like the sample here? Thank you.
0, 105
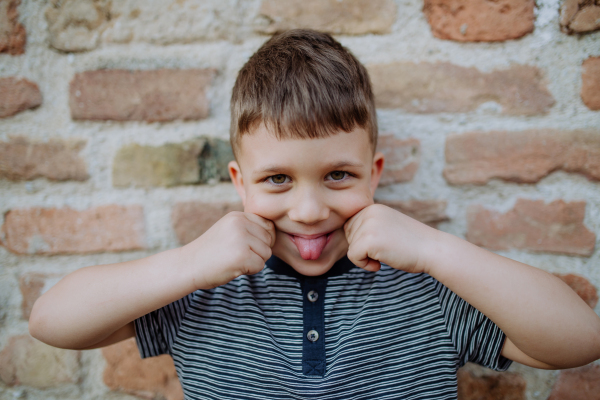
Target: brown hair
302, 84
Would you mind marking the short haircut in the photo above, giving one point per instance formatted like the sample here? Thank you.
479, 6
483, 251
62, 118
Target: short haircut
302, 84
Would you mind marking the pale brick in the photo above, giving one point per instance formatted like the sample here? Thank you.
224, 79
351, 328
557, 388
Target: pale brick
581, 383
202, 160
579, 16
64, 230
17, 95
556, 227
150, 378
56, 159
350, 17
590, 82
12, 33
26, 361
505, 386
430, 212
156, 95
192, 219
32, 285
401, 158
480, 21
582, 287
521, 156
445, 87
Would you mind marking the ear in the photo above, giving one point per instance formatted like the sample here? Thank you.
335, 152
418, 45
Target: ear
236, 177
376, 170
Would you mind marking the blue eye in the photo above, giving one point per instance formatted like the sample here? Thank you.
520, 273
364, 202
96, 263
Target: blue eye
278, 179
338, 175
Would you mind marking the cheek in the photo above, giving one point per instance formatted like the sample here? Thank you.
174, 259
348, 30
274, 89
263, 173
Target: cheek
349, 203
264, 205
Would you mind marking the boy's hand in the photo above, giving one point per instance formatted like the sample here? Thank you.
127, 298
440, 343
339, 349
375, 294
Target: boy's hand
238, 244
381, 234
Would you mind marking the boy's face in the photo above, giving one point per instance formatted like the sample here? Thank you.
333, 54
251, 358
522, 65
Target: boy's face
309, 188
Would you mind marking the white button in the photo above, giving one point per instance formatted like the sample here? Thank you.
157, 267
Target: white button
312, 335
312, 296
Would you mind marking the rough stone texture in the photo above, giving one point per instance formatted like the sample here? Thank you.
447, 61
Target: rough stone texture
192, 219
581, 383
32, 285
150, 378
579, 16
12, 33
524, 157
157, 95
480, 21
26, 361
582, 287
430, 212
57, 159
556, 227
75, 25
196, 161
64, 230
505, 386
401, 158
590, 82
350, 17
17, 95
445, 87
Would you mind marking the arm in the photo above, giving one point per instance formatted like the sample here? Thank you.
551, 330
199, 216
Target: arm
547, 325
95, 306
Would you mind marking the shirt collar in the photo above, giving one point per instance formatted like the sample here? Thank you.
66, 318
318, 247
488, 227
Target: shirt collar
280, 267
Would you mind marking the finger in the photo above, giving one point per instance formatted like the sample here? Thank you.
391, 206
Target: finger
259, 232
352, 226
254, 263
268, 225
260, 248
372, 265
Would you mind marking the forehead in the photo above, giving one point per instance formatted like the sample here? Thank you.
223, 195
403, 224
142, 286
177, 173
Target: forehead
261, 148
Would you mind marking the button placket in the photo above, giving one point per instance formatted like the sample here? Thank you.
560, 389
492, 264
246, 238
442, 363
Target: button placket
313, 349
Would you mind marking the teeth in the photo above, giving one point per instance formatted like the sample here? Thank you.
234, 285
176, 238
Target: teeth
310, 249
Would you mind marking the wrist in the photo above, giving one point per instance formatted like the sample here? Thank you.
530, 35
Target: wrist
438, 252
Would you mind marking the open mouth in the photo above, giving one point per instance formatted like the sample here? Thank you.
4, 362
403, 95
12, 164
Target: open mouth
310, 246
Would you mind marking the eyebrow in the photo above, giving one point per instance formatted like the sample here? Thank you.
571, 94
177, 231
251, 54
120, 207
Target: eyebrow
272, 168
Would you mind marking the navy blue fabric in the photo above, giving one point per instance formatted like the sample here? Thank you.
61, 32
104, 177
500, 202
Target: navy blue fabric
313, 353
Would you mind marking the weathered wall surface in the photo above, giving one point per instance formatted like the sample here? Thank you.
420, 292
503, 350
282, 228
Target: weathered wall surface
114, 120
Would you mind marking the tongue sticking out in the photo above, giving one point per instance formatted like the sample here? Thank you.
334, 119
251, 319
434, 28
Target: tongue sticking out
310, 249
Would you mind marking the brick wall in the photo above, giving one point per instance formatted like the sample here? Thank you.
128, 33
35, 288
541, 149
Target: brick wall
113, 146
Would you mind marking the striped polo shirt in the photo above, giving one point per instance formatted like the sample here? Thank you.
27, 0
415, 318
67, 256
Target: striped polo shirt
348, 334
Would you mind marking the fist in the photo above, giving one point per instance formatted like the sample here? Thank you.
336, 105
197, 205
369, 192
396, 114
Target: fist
238, 244
379, 234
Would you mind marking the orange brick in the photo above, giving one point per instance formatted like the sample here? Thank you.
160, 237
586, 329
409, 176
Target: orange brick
192, 219
18, 95
430, 212
582, 287
12, 33
577, 383
590, 82
401, 158
505, 386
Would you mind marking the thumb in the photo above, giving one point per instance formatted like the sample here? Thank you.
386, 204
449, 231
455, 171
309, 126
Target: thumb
372, 265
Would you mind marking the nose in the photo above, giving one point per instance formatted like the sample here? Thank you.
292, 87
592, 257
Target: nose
308, 207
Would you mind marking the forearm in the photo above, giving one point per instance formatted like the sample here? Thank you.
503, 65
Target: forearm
90, 304
541, 315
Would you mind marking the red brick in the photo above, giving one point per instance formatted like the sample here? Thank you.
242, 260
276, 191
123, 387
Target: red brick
579, 16
480, 21
577, 384
556, 227
18, 95
351, 17
522, 156
582, 287
56, 159
64, 230
149, 378
158, 95
12, 33
192, 219
430, 212
401, 158
590, 82
505, 386
32, 286
26, 361
445, 87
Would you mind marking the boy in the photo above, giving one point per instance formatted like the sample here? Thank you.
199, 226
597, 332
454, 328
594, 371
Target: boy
356, 300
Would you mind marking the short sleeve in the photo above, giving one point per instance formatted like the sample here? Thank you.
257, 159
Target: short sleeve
476, 338
156, 331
